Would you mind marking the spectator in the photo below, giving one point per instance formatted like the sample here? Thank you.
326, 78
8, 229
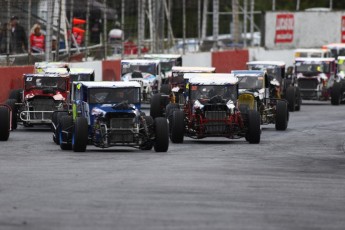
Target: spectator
37, 39
18, 39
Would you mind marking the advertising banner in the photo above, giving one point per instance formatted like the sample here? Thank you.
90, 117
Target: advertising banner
342, 29
284, 28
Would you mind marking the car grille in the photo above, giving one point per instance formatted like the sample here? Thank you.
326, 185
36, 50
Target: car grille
121, 123
305, 83
216, 124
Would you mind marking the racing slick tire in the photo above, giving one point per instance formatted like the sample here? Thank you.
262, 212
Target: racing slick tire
165, 89
291, 98
156, 109
282, 115
55, 125
65, 124
16, 94
12, 104
149, 123
162, 135
80, 135
177, 127
299, 100
254, 131
5, 123
336, 94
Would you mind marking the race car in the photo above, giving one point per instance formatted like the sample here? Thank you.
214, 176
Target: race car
173, 92
107, 114
211, 110
286, 86
256, 84
42, 95
146, 72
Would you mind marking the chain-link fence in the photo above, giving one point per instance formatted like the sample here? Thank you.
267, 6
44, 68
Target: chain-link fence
56, 30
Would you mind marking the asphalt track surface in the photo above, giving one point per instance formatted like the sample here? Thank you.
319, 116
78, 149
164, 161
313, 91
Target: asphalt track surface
293, 179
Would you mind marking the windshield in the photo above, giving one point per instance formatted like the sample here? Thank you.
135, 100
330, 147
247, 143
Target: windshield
45, 82
167, 66
114, 95
272, 70
227, 92
81, 77
303, 67
251, 82
143, 68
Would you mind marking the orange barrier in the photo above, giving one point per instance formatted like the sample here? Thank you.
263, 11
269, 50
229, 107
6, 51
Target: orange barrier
111, 70
12, 78
225, 61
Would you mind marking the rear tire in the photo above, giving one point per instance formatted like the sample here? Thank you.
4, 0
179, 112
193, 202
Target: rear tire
291, 98
12, 104
336, 94
156, 109
299, 100
282, 116
66, 124
177, 126
5, 123
254, 132
162, 135
80, 135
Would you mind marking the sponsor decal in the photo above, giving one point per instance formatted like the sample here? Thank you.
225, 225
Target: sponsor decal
284, 28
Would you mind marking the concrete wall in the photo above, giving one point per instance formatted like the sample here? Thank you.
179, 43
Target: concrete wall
12, 78
260, 54
197, 59
310, 29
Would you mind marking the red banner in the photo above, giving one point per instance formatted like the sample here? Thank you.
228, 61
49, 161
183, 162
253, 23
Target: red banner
342, 29
284, 28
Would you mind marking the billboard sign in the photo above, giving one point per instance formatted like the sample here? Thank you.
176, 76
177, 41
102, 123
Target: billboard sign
342, 29
284, 28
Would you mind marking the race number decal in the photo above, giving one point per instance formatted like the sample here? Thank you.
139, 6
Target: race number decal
284, 28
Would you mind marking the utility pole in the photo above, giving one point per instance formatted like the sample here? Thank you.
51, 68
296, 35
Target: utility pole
273, 5
245, 9
48, 37
204, 20
235, 22
29, 23
215, 23
87, 33
139, 27
252, 22
105, 29
122, 28
70, 28
8, 32
297, 5
184, 24
58, 32
199, 21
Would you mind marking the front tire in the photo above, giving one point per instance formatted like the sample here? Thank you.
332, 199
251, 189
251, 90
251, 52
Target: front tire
291, 98
336, 94
5, 123
254, 132
156, 109
12, 104
162, 135
65, 131
281, 115
80, 135
177, 127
